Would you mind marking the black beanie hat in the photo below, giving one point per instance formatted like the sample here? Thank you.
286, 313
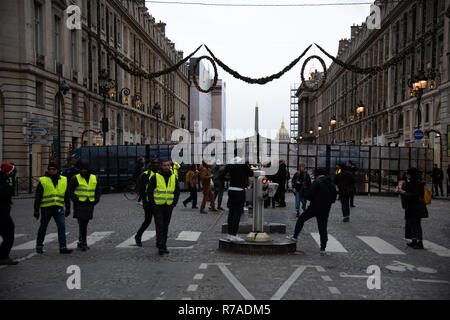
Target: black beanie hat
52, 165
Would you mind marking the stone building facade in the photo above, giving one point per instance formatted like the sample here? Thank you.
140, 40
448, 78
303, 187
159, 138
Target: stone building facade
38, 52
390, 115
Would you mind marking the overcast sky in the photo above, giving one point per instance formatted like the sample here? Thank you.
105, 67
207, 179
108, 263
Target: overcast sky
257, 42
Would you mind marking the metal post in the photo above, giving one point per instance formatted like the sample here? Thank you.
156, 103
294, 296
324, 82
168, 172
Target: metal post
30, 173
104, 116
59, 130
258, 205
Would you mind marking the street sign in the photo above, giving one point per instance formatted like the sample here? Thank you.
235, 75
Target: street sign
419, 134
35, 131
36, 141
35, 121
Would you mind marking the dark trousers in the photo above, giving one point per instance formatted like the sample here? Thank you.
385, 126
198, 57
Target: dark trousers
7, 233
47, 214
82, 228
413, 228
218, 193
147, 221
236, 202
192, 196
345, 202
162, 215
436, 186
352, 199
322, 222
268, 201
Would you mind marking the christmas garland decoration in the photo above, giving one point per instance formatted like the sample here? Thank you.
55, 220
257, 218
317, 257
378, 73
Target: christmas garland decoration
260, 81
324, 78
194, 77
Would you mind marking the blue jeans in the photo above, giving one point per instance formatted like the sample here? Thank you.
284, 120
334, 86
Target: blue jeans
322, 222
58, 215
300, 198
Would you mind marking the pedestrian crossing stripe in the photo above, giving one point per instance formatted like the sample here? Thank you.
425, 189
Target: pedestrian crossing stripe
92, 238
188, 236
32, 244
380, 246
332, 245
436, 249
131, 242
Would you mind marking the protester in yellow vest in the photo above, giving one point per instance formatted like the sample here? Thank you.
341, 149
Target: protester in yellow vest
51, 197
84, 189
174, 167
153, 168
163, 193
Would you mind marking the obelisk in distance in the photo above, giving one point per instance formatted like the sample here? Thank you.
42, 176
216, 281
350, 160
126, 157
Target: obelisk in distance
257, 131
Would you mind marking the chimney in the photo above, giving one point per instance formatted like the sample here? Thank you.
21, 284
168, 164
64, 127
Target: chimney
161, 26
343, 44
354, 31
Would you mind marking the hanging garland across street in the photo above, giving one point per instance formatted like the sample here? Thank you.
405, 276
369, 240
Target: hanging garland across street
264, 80
194, 77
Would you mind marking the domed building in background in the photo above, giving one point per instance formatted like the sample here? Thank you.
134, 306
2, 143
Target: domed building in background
283, 134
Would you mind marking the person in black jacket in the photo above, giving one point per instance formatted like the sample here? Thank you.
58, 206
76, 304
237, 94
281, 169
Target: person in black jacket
281, 180
301, 182
153, 168
437, 177
6, 223
415, 209
83, 211
353, 169
322, 195
162, 212
239, 172
346, 184
54, 211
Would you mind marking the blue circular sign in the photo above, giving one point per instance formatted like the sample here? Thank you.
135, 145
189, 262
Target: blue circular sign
419, 134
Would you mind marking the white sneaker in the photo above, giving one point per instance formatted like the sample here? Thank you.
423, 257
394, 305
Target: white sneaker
238, 239
291, 238
230, 237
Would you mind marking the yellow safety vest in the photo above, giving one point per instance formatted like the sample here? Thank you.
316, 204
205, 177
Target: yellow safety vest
174, 169
85, 190
53, 196
10, 181
146, 186
338, 171
164, 194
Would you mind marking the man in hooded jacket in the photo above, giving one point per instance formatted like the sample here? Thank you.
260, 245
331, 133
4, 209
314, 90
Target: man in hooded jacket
84, 189
321, 195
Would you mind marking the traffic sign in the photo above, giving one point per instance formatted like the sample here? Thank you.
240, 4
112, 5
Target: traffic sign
35, 121
36, 141
419, 134
35, 131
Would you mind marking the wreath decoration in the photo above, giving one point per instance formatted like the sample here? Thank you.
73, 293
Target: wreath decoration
324, 78
215, 74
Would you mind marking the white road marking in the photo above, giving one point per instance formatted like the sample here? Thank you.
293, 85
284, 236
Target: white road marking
32, 244
288, 283
198, 276
380, 246
180, 248
188, 236
192, 287
332, 245
131, 243
344, 275
436, 249
31, 255
203, 266
326, 278
431, 281
186, 298
235, 282
18, 235
92, 238
334, 290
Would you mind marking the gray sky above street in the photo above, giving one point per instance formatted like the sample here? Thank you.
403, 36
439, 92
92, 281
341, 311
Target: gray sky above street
258, 42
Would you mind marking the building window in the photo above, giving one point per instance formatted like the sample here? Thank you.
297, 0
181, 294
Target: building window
74, 106
37, 28
39, 94
95, 113
57, 39
102, 16
83, 56
427, 113
86, 112
73, 49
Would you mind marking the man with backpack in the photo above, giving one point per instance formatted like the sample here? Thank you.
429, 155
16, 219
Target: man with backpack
322, 195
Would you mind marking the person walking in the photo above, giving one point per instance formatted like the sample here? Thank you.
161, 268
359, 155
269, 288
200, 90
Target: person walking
73, 170
140, 167
84, 190
219, 183
353, 169
51, 196
321, 195
281, 180
437, 176
174, 167
192, 181
6, 223
153, 168
205, 179
415, 209
239, 173
346, 184
301, 182
163, 194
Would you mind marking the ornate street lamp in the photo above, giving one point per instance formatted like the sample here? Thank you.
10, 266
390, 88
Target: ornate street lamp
137, 101
418, 84
333, 122
63, 89
360, 110
124, 93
